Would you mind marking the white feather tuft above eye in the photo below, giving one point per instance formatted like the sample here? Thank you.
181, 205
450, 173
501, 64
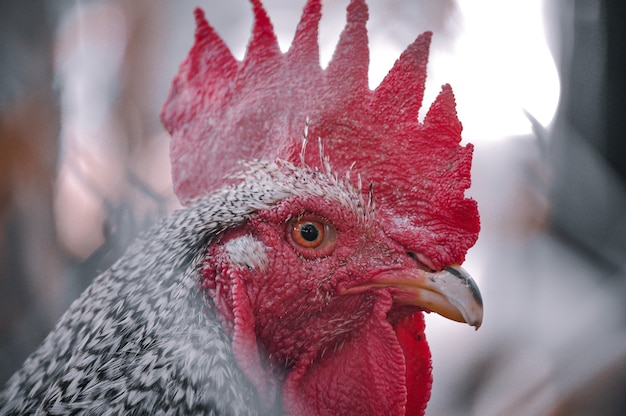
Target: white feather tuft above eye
247, 251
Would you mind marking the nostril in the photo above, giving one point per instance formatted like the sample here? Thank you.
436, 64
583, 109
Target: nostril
422, 261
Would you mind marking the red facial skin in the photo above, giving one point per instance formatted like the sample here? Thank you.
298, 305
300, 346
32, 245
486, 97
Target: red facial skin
332, 354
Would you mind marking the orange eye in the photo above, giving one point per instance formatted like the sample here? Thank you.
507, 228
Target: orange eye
313, 236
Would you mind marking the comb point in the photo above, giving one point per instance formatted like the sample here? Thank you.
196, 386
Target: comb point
442, 114
305, 47
350, 61
399, 96
201, 22
208, 54
263, 44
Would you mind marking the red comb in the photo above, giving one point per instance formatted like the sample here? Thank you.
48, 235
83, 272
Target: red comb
221, 111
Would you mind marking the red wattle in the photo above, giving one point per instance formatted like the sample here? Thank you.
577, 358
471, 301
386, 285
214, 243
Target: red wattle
363, 376
418, 365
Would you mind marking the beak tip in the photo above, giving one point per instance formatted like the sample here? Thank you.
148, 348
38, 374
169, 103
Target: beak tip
474, 318
473, 315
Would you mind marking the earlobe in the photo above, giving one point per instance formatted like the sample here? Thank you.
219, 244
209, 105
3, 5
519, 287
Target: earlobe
246, 251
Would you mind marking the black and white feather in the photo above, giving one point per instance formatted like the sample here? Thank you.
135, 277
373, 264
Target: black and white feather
143, 339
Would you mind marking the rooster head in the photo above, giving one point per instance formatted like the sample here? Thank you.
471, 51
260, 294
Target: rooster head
323, 289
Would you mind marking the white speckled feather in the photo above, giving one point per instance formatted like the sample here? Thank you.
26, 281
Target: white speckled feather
142, 338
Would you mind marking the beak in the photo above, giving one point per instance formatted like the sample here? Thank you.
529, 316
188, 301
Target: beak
452, 293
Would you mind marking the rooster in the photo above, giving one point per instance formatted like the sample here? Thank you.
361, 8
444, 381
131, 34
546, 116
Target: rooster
294, 282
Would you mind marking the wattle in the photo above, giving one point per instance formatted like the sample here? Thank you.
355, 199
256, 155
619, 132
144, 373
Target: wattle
410, 335
381, 369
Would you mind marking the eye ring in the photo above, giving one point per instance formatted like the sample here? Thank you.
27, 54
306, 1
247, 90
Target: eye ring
312, 237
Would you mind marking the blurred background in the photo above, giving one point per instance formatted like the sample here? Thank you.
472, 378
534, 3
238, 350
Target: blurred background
540, 87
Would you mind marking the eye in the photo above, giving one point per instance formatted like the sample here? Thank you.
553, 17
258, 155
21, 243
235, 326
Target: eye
309, 234
312, 237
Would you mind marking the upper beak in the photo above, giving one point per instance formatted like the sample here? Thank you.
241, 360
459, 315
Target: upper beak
451, 292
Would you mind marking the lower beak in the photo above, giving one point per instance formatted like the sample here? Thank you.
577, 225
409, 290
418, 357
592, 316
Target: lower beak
451, 293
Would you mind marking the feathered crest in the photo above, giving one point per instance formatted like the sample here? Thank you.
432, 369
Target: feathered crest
221, 111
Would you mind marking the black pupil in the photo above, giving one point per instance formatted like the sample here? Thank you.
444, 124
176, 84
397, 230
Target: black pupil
309, 232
